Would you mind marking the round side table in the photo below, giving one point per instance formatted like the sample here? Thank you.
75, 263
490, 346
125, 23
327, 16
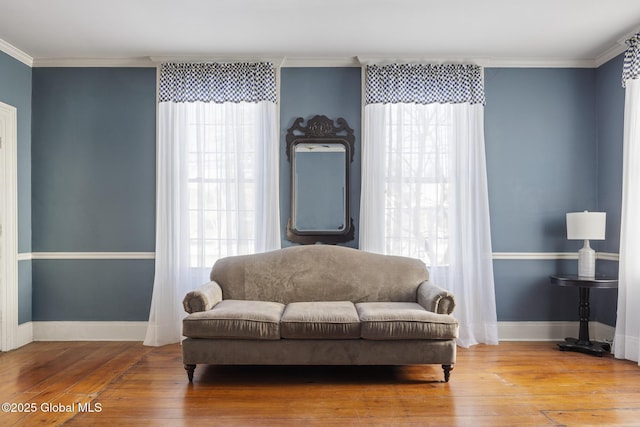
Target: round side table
583, 344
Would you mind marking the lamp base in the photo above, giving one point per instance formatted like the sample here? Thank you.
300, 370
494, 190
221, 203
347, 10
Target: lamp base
586, 261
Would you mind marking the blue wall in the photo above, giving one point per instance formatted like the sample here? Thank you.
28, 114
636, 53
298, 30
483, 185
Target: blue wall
15, 90
541, 142
93, 177
610, 113
92, 290
333, 92
541, 161
93, 159
553, 141
561, 142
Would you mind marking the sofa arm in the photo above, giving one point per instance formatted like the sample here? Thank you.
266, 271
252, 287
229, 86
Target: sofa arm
202, 298
435, 299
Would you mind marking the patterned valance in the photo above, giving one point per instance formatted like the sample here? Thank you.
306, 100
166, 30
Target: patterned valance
424, 84
631, 67
217, 82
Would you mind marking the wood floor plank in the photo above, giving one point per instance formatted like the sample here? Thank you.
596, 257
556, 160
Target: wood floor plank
127, 384
601, 417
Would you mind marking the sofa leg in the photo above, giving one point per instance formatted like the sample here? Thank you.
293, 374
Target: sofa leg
190, 369
447, 372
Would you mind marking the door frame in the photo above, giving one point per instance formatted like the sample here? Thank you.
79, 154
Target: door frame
9, 221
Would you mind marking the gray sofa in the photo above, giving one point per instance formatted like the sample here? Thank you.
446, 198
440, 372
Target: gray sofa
319, 305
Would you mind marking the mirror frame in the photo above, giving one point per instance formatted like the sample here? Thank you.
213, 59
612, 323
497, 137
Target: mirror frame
321, 129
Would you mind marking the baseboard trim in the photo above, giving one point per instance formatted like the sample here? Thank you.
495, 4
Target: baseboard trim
136, 331
551, 331
602, 332
25, 334
89, 331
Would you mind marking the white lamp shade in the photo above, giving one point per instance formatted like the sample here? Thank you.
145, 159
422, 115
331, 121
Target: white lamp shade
586, 225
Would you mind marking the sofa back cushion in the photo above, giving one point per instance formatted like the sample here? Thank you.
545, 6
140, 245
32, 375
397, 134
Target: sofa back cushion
319, 273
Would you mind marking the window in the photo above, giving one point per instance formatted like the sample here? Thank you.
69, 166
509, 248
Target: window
217, 173
416, 183
424, 186
222, 181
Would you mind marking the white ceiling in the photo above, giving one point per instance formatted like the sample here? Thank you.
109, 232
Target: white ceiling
552, 32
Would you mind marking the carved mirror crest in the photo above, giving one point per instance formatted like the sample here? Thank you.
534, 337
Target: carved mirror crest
320, 154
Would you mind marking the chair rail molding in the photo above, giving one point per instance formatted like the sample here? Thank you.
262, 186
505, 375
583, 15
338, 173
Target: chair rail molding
608, 256
550, 255
86, 255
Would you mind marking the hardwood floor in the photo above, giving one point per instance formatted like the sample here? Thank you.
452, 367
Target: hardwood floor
127, 384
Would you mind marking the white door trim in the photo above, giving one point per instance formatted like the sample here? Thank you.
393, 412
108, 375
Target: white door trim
9, 216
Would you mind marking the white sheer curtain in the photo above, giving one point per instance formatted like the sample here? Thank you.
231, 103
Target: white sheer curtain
217, 195
424, 195
627, 336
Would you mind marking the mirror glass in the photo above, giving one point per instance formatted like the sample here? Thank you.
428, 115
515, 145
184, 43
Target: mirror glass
319, 184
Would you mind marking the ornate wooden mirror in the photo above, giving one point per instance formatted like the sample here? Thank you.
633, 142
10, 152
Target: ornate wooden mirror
320, 154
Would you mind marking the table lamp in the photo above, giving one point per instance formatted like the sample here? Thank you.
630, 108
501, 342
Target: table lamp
586, 226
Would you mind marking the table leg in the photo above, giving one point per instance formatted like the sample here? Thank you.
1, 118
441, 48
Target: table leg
584, 312
583, 344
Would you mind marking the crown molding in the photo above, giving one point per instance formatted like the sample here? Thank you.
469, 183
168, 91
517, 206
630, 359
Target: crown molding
346, 61
16, 53
537, 63
616, 49
93, 62
487, 62
390, 59
609, 54
274, 59
310, 62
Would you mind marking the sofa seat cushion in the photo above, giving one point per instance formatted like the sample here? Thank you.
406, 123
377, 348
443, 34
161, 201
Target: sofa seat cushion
320, 320
404, 320
236, 319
